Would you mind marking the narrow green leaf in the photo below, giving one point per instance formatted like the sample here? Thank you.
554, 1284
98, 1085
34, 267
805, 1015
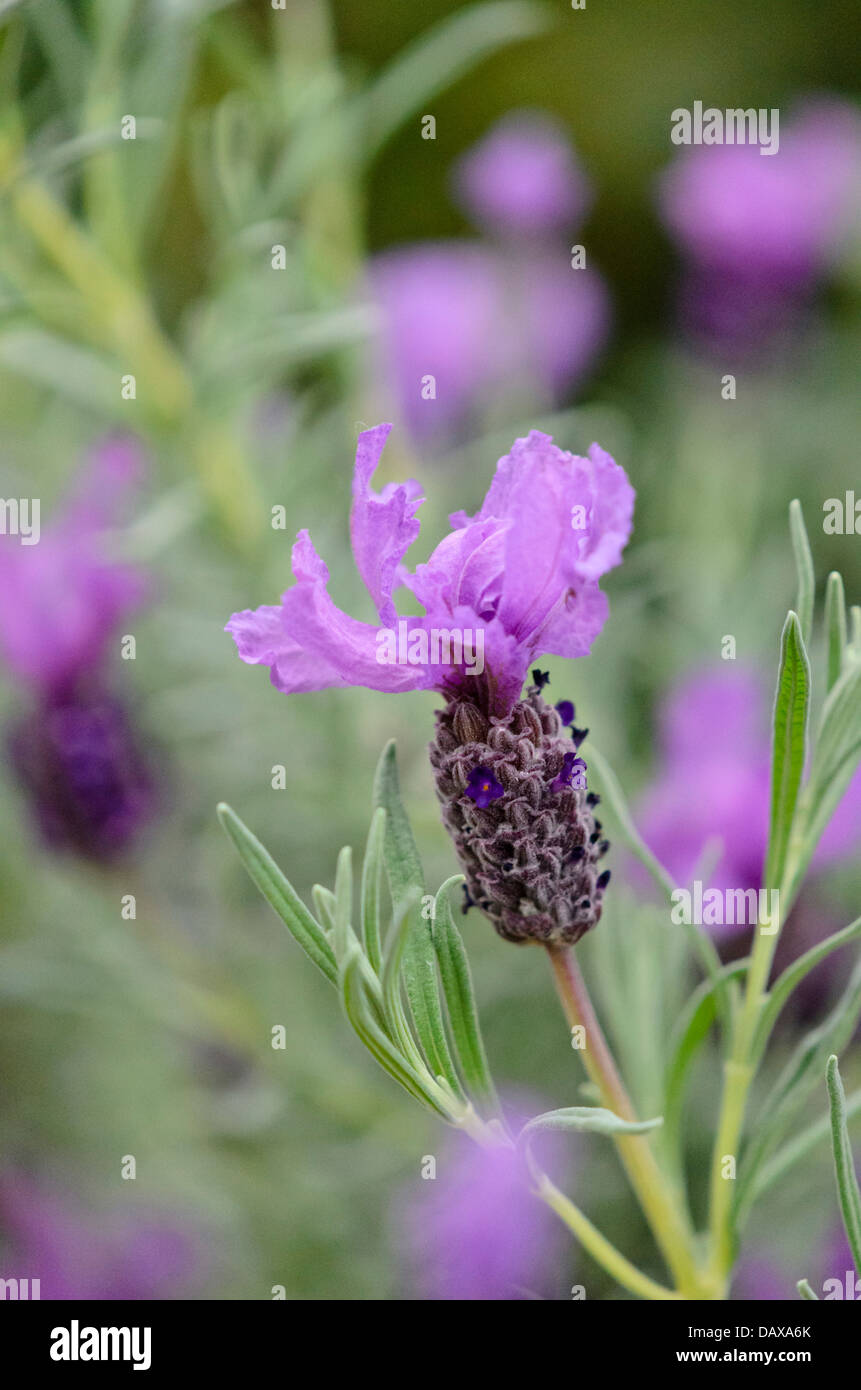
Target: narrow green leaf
372, 871
280, 893
343, 902
792, 977
804, 569
404, 871
360, 1014
855, 629
798, 1077
435, 60
324, 901
844, 1168
835, 758
689, 1034
789, 745
806, 1291
835, 627
460, 1000
799, 1147
391, 978
590, 1118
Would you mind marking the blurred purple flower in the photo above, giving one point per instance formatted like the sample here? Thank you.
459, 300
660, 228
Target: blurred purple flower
77, 1254
490, 320
523, 178
482, 325
714, 783
760, 1278
758, 231
517, 572
476, 1233
62, 601
441, 317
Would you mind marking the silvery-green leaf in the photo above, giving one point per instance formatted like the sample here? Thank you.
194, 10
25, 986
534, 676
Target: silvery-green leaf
280, 893
404, 871
792, 977
343, 902
689, 1034
835, 758
588, 1118
806, 1291
844, 1167
798, 1077
460, 1001
372, 871
835, 627
798, 1147
804, 569
324, 902
789, 745
360, 1012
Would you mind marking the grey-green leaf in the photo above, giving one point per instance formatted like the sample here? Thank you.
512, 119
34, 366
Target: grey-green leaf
372, 870
789, 744
404, 872
847, 1182
803, 568
590, 1118
835, 627
460, 1001
280, 893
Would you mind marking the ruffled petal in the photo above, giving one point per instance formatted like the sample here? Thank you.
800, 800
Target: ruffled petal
383, 525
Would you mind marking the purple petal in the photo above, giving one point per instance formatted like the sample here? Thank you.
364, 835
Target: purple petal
383, 525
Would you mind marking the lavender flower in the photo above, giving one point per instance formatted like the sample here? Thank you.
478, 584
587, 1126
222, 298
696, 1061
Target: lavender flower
523, 579
466, 323
61, 604
476, 1233
759, 232
760, 1278
76, 1254
522, 178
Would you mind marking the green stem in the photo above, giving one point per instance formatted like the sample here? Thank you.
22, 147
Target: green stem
668, 1224
601, 1249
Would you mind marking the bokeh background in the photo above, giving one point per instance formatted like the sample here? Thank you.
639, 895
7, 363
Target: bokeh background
302, 128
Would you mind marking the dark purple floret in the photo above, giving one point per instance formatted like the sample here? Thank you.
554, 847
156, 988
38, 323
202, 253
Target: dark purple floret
540, 678
578, 735
571, 774
529, 859
78, 760
566, 712
602, 880
483, 787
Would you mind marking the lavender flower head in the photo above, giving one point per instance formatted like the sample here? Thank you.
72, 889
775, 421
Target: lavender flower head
523, 178
477, 1233
62, 601
517, 580
464, 324
759, 231
75, 1254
